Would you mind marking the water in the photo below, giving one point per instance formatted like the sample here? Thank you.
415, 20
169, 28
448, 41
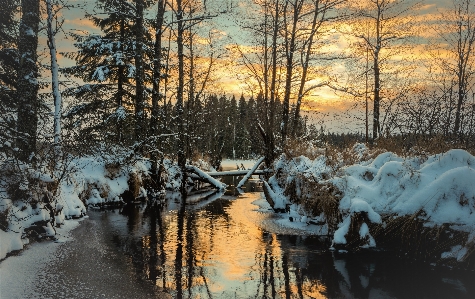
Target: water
229, 248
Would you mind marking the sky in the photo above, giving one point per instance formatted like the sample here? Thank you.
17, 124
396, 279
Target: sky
321, 105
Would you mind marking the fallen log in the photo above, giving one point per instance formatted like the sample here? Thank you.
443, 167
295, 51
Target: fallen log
237, 172
250, 173
205, 177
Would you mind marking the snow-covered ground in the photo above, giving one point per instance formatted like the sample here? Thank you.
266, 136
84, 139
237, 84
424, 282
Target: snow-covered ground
86, 265
438, 190
92, 180
19, 273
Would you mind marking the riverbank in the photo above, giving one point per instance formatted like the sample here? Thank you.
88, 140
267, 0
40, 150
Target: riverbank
83, 263
228, 248
422, 205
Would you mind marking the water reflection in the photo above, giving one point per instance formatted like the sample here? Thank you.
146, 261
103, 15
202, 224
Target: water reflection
220, 250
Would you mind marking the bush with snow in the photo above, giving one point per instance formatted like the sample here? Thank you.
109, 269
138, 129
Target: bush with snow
355, 193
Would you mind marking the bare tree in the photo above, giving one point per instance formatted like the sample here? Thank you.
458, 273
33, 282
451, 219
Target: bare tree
285, 29
54, 74
456, 32
321, 13
383, 26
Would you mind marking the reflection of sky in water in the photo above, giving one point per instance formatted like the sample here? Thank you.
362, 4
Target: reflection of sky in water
224, 252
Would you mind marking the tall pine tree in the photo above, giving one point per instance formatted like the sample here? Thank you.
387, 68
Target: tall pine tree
107, 63
28, 79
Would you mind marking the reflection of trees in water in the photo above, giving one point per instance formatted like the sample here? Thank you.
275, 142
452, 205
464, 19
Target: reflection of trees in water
284, 266
155, 256
179, 253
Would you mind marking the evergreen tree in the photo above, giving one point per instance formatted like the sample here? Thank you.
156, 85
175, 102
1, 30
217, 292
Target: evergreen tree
107, 63
28, 79
8, 70
242, 135
230, 114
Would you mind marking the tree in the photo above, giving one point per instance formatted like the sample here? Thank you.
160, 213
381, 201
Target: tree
140, 118
28, 79
456, 32
8, 70
321, 13
106, 64
179, 109
383, 26
285, 29
54, 74
157, 97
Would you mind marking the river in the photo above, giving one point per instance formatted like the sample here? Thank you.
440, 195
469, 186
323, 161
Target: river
230, 247
233, 248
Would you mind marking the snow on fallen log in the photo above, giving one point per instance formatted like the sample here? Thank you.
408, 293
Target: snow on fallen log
237, 172
249, 174
203, 175
275, 198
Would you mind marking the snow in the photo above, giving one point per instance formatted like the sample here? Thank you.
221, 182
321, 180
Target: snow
100, 74
91, 180
249, 174
16, 272
439, 189
10, 242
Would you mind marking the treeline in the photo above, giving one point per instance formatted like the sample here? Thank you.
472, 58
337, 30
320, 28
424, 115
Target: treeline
144, 80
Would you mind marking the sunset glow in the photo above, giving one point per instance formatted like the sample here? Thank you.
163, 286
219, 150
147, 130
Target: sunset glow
230, 76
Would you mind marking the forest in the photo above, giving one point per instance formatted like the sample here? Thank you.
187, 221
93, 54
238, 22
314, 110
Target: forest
144, 85
148, 79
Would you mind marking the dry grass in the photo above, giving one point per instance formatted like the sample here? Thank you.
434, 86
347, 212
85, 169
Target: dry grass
112, 170
104, 191
296, 148
421, 145
316, 199
411, 237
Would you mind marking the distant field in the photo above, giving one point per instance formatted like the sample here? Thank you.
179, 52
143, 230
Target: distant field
228, 164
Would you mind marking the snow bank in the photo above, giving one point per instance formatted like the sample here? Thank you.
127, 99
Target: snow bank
91, 180
437, 190
440, 189
9, 242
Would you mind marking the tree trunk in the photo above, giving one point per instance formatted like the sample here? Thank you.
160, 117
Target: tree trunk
377, 81
290, 49
27, 122
156, 96
120, 81
269, 140
157, 62
191, 98
54, 77
139, 74
306, 60
179, 96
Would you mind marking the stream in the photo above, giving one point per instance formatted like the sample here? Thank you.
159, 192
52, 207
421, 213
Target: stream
229, 247
232, 247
